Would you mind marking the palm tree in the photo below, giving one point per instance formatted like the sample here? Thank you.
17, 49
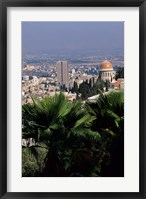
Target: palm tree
109, 113
61, 128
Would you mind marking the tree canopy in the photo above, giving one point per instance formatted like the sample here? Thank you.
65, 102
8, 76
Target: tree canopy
74, 139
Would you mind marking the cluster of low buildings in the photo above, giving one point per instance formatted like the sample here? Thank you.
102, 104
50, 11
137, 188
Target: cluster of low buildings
64, 80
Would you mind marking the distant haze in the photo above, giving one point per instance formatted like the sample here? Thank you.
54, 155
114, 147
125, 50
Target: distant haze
76, 36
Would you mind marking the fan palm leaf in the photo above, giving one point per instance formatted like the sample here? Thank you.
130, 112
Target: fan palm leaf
57, 125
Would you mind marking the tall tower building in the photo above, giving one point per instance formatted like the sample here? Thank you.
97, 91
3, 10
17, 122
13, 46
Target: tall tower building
62, 73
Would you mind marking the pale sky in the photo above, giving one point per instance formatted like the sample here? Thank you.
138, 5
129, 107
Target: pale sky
37, 36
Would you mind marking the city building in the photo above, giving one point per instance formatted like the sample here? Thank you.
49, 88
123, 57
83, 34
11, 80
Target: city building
29, 68
62, 73
106, 71
119, 84
73, 71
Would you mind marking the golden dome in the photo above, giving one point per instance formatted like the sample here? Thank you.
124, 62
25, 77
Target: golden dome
106, 65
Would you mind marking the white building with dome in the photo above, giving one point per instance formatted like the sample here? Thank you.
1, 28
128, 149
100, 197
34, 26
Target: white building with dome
106, 71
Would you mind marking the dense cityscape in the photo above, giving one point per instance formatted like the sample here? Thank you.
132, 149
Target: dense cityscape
40, 76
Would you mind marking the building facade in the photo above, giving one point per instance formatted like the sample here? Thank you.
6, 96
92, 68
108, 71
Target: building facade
106, 71
62, 73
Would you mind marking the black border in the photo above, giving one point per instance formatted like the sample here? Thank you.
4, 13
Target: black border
4, 4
